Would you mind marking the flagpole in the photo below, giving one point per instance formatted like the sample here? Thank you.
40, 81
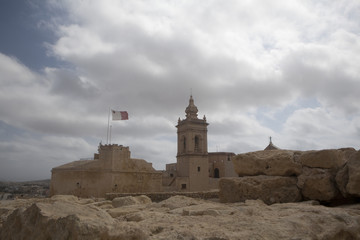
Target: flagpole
107, 135
110, 133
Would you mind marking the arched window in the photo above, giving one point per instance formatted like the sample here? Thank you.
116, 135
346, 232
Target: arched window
197, 144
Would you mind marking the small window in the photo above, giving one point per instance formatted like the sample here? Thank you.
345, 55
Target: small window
228, 158
198, 169
184, 144
183, 186
171, 175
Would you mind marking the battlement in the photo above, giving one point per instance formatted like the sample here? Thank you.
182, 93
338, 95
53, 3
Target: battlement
112, 147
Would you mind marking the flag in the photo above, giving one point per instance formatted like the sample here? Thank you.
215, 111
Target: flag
119, 115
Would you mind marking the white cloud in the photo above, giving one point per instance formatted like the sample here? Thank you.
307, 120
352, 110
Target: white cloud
318, 128
286, 69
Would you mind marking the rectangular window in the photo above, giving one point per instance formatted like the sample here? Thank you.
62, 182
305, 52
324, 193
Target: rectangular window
183, 186
198, 169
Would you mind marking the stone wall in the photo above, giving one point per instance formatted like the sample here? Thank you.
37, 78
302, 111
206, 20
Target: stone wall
86, 183
160, 196
112, 170
291, 176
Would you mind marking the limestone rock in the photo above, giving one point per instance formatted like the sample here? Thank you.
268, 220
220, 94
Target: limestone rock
202, 209
325, 175
270, 189
317, 184
178, 202
198, 220
129, 200
125, 231
58, 220
328, 159
104, 204
125, 210
65, 198
342, 179
142, 199
86, 201
271, 163
353, 185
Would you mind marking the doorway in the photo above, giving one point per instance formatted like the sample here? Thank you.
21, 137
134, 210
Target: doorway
216, 173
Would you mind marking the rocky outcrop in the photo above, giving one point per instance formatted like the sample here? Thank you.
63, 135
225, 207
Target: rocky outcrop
317, 184
178, 217
328, 159
57, 220
325, 175
129, 200
271, 163
353, 184
269, 189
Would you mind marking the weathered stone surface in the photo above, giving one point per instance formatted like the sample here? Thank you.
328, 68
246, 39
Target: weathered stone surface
189, 219
341, 179
329, 158
176, 202
125, 201
270, 189
271, 163
58, 220
120, 212
317, 184
65, 198
353, 185
324, 175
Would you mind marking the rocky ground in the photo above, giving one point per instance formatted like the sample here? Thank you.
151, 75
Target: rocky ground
179, 217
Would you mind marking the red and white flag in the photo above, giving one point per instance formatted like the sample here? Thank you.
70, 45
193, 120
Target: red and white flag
119, 115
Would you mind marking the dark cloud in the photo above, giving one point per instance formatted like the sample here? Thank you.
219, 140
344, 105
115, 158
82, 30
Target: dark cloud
68, 83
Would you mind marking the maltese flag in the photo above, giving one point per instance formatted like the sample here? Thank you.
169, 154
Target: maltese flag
119, 115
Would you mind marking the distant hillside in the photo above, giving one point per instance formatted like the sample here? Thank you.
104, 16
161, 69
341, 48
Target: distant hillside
38, 188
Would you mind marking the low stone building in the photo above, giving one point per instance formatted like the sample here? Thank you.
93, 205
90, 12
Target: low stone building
112, 170
221, 165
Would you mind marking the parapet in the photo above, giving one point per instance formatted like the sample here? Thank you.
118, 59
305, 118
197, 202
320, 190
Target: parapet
112, 147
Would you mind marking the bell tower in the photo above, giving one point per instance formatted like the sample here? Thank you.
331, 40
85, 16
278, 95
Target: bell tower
192, 153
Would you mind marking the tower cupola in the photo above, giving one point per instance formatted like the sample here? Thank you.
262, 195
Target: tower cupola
191, 110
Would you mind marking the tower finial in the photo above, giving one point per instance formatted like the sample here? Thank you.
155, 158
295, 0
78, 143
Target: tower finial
191, 110
270, 139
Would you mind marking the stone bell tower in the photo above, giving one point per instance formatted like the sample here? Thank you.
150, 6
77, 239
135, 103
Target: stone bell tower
192, 153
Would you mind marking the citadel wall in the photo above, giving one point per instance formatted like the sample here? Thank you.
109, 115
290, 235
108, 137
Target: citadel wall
112, 170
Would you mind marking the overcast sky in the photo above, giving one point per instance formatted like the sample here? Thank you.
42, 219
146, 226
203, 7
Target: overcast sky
286, 69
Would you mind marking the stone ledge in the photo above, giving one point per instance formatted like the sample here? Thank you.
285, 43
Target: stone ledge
160, 196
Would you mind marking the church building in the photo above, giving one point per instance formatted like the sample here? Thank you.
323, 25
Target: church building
112, 170
196, 169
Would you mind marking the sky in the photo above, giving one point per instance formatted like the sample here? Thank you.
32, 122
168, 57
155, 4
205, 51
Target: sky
286, 69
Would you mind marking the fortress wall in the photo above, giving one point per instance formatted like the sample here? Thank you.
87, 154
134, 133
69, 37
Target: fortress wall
85, 183
80, 183
130, 182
